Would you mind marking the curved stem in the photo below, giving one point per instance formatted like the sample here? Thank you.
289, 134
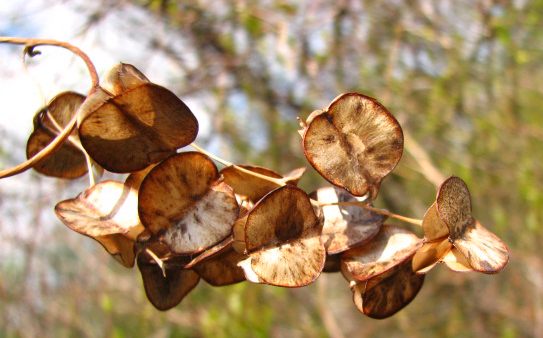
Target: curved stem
44, 153
31, 43
77, 144
380, 211
63, 136
277, 181
58, 129
88, 159
205, 152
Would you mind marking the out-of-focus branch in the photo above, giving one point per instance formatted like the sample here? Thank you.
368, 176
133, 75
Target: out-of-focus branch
328, 319
427, 168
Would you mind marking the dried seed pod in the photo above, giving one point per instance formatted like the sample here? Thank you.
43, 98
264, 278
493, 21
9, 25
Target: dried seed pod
353, 143
106, 208
120, 247
483, 250
141, 124
389, 248
106, 212
122, 78
185, 203
165, 292
452, 236
68, 161
294, 176
432, 253
238, 234
218, 265
345, 226
380, 273
333, 263
389, 292
282, 240
245, 204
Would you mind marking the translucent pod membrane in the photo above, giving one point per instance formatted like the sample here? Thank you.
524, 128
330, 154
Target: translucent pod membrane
353, 143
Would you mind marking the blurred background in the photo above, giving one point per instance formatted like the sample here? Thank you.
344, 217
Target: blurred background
462, 77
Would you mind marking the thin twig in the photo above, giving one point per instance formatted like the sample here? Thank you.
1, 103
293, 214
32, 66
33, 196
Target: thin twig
377, 210
278, 181
88, 159
205, 152
58, 129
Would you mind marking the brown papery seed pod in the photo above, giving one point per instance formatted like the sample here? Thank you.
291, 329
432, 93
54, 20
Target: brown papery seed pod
345, 227
68, 161
165, 292
453, 236
140, 124
106, 212
388, 293
353, 143
184, 201
389, 248
283, 240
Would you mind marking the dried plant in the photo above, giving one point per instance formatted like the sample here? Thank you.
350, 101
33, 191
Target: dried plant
181, 219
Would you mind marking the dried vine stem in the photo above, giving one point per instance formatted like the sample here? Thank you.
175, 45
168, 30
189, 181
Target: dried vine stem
377, 210
277, 181
30, 44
